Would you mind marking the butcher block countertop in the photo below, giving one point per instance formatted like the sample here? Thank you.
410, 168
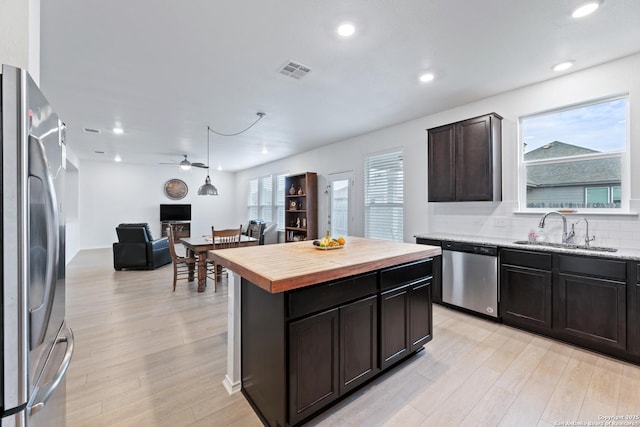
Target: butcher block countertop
287, 266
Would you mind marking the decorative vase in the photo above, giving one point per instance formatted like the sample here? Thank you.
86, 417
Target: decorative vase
292, 190
300, 192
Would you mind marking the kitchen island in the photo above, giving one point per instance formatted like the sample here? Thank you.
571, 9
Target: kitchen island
316, 324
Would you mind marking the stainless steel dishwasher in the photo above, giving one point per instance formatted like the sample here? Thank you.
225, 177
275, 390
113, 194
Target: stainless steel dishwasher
470, 276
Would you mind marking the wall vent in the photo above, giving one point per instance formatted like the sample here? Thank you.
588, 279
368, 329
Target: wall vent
89, 130
294, 70
98, 152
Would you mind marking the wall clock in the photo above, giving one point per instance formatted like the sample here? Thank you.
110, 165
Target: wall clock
176, 189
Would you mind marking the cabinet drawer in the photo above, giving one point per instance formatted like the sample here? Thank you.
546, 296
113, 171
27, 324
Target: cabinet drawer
395, 276
321, 297
604, 268
423, 241
530, 259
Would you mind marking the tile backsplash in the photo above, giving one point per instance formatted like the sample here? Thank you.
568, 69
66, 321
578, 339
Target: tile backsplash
499, 220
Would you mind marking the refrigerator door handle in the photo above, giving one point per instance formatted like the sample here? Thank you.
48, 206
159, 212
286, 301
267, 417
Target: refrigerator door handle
38, 168
42, 394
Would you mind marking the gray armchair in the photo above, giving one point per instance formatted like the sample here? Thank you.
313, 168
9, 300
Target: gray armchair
265, 232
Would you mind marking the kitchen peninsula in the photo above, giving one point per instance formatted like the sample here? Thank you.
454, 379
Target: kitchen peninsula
316, 324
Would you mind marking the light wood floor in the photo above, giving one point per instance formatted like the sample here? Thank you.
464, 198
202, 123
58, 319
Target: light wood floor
146, 356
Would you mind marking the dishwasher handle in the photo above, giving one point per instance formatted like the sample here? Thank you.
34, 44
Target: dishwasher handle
471, 248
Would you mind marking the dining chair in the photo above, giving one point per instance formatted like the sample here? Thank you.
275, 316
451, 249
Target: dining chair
184, 267
222, 239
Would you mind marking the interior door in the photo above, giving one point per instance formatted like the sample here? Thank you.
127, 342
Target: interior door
341, 216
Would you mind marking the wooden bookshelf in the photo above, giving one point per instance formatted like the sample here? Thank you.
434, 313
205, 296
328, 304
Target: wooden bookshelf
301, 207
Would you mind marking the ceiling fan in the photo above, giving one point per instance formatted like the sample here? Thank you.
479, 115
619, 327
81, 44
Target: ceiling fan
185, 164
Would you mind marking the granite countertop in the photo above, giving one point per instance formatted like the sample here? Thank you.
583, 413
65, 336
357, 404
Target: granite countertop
621, 253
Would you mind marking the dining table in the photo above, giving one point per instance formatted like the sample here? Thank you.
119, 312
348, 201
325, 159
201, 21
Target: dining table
197, 247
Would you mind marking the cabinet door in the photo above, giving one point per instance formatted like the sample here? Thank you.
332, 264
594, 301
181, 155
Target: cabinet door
420, 315
441, 164
473, 160
592, 311
313, 364
358, 342
525, 299
394, 328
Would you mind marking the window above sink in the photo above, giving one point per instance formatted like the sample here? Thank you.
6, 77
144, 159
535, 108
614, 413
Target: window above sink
576, 157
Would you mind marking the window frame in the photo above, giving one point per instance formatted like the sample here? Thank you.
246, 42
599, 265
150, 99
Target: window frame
276, 202
366, 206
624, 155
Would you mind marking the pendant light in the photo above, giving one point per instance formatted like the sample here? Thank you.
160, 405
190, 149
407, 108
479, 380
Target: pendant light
207, 189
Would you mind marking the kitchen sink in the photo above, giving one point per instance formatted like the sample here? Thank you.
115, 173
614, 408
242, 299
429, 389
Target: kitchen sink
566, 246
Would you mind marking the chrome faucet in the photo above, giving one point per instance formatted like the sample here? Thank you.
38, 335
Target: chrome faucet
565, 236
587, 239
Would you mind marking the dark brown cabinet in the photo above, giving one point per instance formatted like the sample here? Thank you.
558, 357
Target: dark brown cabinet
464, 160
591, 302
358, 343
405, 321
313, 364
526, 290
306, 348
180, 229
633, 321
592, 311
582, 300
406, 318
329, 354
301, 207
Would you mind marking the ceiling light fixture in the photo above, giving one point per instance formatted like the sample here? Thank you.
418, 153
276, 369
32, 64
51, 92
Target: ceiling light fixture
426, 77
585, 9
118, 131
185, 164
207, 189
563, 66
346, 29
117, 158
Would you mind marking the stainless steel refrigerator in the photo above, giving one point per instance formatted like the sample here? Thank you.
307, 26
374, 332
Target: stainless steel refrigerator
35, 342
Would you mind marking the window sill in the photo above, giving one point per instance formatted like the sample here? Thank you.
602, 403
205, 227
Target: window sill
578, 212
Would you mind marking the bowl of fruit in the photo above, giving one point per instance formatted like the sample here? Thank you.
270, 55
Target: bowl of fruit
328, 243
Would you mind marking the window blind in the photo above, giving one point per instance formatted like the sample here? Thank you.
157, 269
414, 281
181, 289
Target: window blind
266, 198
252, 202
384, 197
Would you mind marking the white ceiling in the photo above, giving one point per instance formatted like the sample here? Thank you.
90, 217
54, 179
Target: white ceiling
165, 70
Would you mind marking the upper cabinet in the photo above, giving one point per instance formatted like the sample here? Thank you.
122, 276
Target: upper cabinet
465, 160
301, 207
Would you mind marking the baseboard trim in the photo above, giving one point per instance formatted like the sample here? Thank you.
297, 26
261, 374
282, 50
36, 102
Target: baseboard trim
231, 387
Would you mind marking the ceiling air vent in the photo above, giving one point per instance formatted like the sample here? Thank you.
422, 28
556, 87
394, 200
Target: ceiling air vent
294, 70
89, 130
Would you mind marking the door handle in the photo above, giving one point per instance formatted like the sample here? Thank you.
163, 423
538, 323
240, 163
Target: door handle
38, 168
42, 394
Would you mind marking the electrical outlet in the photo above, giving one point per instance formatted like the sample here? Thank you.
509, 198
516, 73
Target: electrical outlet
500, 222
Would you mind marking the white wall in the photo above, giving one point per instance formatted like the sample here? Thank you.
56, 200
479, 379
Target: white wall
476, 218
20, 35
112, 193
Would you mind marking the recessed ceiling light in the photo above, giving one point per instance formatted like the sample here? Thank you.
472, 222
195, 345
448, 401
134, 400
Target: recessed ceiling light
586, 9
219, 167
264, 150
117, 158
426, 77
118, 131
346, 29
563, 66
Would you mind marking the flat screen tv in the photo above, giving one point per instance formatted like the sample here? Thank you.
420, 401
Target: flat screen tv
175, 212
